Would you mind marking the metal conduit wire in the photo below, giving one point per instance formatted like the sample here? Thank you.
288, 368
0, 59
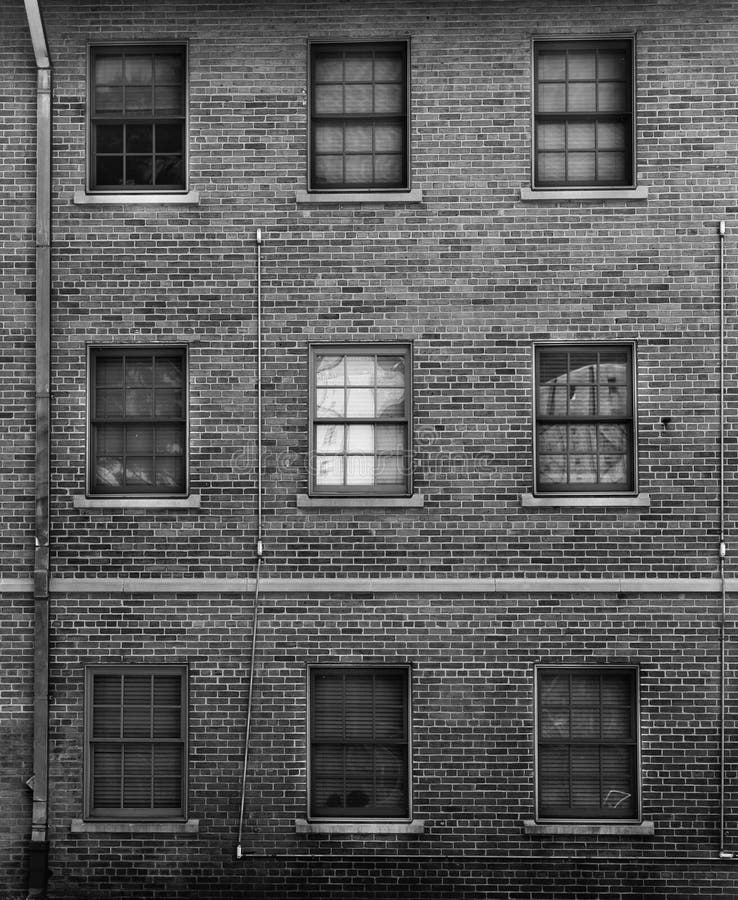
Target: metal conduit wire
259, 551
721, 547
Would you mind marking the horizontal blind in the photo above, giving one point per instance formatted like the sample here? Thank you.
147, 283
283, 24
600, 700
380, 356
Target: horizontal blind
359, 743
137, 744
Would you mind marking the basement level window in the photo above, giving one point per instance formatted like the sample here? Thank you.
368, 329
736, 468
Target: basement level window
136, 743
137, 118
587, 744
359, 743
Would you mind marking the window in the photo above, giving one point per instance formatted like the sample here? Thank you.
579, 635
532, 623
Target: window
359, 743
138, 421
358, 117
587, 743
137, 118
585, 435
584, 123
136, 742
360, 412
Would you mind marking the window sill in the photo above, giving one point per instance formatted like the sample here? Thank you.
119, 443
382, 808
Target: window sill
79, 826
591, 829
640, 193
323, 197
532, 502
302, 826
190, 198
152, 503
305, 502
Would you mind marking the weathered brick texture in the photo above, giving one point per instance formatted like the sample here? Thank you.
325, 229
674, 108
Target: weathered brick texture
473, 276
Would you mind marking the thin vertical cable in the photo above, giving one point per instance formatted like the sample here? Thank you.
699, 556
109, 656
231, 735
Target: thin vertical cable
259, 550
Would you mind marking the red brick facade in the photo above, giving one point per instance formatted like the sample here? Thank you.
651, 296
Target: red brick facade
472, 581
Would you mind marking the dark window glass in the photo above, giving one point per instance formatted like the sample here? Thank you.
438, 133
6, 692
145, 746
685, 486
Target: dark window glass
136, 742
583, 114
358, 121
359, 743
137, 118
138, 421
584, 419
587, 744
360, 412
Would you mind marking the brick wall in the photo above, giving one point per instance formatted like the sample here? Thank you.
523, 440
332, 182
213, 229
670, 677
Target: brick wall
473, 276
473, 661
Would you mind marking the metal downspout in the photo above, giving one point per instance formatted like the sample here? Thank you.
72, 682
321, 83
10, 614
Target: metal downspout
259, 550
39, 847
725, 854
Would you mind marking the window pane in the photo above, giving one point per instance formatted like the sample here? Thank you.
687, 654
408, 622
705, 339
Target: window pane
389, 98
328, 68
139, 139
360, 439
108, 70
139, 100
388, 170
108, 472
389, 67
328, 99
139, 170
329, 438
109, 170
329, 370
551, 136
108, 99
611, 167
168, 100
329, 170
328, 139
138, 70
581, 65
551, 98
360, 371
551, 167
329, 470
139, 472
612, 96
169, 68
359, 470
359, 403
169, 403
580, 136
611, 136
581, 97
109, 138
389, 138
169, 139
330, 402
358, 67
358, 137
390, 403
552, 65
359, 169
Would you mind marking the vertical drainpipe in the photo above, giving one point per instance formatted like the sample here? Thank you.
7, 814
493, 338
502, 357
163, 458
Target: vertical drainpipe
39, 845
